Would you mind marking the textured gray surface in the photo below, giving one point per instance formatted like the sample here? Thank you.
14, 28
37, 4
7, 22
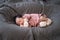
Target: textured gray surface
52, 32
14, 32
53, 2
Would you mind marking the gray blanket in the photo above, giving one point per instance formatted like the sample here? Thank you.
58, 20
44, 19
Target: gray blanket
10, 31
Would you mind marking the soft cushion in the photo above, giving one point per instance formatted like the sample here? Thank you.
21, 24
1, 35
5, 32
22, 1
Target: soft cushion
14, 32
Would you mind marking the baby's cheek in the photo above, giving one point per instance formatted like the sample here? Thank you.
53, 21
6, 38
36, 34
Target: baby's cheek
21, 22
18, 23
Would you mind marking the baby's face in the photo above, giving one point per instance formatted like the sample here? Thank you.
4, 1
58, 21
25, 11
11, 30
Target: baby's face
19, 21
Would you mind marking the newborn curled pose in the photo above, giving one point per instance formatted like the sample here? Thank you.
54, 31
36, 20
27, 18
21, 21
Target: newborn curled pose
33, 20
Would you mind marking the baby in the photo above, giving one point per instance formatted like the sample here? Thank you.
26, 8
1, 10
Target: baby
33, 20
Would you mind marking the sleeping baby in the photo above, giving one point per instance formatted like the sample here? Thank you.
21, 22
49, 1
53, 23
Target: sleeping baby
33, 20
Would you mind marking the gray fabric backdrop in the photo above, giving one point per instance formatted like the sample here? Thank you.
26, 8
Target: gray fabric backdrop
10, 31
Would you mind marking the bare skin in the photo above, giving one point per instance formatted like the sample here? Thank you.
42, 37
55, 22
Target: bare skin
19, 21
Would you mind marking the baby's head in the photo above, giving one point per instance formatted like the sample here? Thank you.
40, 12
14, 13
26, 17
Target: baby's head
18, 19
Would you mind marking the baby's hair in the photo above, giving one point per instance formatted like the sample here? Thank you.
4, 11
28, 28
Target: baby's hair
17, 16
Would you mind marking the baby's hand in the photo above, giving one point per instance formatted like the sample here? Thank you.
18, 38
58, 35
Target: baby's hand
26, 22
